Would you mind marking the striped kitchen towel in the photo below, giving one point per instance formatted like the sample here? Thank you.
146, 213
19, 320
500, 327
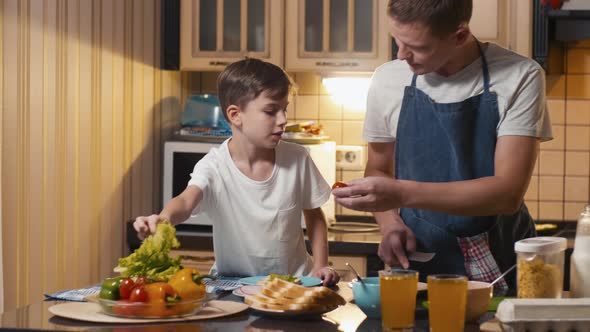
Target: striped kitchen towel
77, 295
222, 284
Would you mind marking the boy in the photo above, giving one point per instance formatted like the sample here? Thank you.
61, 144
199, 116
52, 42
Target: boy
254, 186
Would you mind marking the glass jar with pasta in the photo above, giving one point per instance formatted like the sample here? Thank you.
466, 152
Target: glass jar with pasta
540, 267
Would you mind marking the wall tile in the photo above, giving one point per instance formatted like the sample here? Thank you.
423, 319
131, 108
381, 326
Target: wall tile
556, 108
333, 129
578, 61
578, 86
551, 188
579, 43
307, 107
578, 112
329, 110
558, 141
532, 192
307, 83
576, 189
577, 138
352, 132
573, 210
550, 211
555, 86
533, 207
552, 163
577, 163
353, 114
555, 61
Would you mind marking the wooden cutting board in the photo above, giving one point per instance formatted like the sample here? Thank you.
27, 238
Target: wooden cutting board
92, 312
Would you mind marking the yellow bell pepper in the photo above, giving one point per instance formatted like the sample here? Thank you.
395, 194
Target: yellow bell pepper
188, 283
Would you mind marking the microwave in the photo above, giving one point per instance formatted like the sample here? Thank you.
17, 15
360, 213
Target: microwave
180, 158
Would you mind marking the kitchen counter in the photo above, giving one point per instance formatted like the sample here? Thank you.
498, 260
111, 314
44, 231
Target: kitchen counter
36, 317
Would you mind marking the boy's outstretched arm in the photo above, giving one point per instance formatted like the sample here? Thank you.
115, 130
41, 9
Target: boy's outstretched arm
176, 211
317, 232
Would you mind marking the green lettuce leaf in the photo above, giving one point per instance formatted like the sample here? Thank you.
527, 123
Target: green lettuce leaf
151, 259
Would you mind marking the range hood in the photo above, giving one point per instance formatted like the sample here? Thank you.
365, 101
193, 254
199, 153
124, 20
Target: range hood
563, 25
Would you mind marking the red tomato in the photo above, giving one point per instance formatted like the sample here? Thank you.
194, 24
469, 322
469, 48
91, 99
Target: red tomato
141, 280
125, 288
339, 184
138, 294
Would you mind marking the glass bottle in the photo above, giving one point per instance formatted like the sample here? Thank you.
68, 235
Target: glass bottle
580, 260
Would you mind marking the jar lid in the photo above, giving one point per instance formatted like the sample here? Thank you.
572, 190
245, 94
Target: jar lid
541, 244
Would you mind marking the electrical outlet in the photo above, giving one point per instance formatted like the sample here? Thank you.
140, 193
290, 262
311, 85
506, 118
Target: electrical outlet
350, 157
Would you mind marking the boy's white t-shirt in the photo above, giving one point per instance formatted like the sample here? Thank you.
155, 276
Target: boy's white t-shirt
519, 83
257, 224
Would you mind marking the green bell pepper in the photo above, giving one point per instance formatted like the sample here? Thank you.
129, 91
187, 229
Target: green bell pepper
109, 289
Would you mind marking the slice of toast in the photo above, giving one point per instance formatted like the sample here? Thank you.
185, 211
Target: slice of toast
282, 295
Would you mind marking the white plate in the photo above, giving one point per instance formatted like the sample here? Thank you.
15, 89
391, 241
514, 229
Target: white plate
247, 290
92, 312
290, 313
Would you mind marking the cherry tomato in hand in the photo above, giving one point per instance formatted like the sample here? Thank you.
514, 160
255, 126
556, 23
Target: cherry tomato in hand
339, 184
138, 294
125, 288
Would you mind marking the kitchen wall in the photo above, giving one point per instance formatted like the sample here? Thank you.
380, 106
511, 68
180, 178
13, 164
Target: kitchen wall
560, 187
84, 112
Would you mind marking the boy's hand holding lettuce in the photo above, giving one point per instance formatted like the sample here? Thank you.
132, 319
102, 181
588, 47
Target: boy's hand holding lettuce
151, 259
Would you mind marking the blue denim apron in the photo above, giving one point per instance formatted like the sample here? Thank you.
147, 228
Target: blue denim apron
444, 142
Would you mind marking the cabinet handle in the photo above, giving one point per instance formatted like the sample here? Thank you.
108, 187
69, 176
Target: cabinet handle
197, 259
336, 64
219, 63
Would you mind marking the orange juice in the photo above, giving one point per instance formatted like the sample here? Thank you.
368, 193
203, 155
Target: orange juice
398, 290
447, 297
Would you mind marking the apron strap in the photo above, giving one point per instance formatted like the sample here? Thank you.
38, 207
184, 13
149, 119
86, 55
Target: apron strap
484, 65
414, 80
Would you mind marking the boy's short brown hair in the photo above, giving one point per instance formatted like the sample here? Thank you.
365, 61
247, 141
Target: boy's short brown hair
244, 80
441, 16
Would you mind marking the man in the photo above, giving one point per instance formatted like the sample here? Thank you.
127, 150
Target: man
458, 123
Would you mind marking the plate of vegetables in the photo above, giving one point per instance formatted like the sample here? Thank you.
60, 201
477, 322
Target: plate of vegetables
151, 283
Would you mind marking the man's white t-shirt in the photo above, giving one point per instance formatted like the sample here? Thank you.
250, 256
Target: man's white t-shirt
519, 83
257, 224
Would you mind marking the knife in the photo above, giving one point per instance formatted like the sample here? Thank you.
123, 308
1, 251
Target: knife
421, 256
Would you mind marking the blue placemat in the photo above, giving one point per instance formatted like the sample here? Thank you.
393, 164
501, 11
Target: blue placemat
222, 284
77, 295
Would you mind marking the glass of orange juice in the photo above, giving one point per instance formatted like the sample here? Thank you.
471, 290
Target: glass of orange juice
447, 297
398, 290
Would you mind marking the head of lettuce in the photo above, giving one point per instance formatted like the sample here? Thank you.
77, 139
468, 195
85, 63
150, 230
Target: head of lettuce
151, 259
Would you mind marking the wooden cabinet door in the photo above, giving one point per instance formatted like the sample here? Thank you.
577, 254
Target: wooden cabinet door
215, 33
504, 22
336, 35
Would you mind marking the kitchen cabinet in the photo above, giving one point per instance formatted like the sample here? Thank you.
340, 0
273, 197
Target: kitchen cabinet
336, 35
507, 23
215, 33
200, 260
338, 263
